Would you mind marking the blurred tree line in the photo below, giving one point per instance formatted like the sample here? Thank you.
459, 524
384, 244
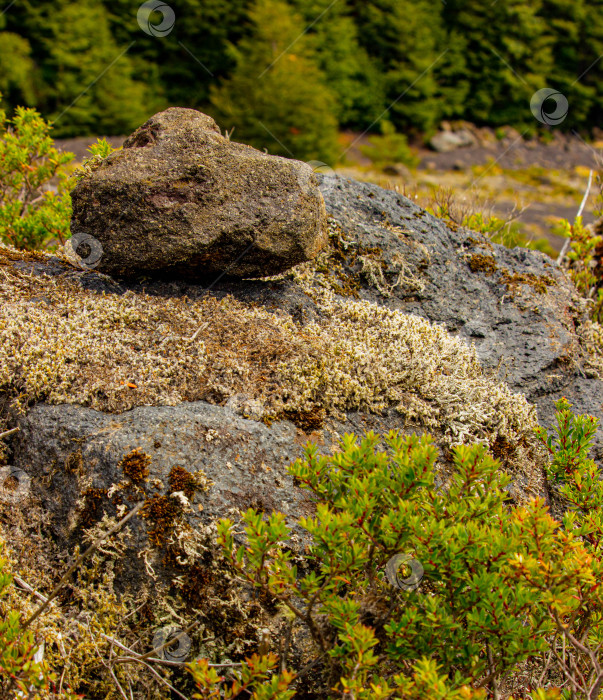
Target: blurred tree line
287, 74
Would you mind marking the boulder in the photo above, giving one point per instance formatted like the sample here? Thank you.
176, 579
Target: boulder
446, 141
180, 200
402, 322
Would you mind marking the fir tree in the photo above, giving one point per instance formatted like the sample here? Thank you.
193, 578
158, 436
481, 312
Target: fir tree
87, 81
405, 39
356, 81
574, 31
506, 57
17, 70
276, 97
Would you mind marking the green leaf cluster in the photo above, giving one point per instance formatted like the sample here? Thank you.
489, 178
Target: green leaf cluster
502, 586
35, 206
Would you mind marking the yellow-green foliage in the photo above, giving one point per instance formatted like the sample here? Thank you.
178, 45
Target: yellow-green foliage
409, 587
31, 214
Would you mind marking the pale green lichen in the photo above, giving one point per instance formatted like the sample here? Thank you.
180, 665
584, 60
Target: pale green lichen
61, 343
365, 356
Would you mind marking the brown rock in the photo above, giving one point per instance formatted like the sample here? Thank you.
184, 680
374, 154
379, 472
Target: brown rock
181, 200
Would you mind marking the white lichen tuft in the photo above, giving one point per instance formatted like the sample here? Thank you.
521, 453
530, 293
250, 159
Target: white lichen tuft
365, 356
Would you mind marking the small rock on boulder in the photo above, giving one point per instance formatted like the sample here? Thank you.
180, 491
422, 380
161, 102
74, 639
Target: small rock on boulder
181, 200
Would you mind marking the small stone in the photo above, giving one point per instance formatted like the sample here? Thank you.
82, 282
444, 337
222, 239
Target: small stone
446, 141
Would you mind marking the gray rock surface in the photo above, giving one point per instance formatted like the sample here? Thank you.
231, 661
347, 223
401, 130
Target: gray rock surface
180, 200
515, 305
521, 316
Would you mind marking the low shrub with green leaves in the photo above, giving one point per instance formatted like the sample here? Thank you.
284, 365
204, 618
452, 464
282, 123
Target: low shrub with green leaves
23, 671
32, 213
510, 600
390, 147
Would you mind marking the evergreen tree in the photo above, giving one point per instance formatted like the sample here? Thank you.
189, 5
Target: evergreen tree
356, 81
17, 69
193, 56
405, 39
506, 57
276, 97
87, 81
574, 30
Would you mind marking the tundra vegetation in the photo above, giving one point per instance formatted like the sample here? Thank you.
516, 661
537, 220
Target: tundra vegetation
510, 602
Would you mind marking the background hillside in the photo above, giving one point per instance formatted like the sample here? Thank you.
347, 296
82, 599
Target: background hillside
289, 75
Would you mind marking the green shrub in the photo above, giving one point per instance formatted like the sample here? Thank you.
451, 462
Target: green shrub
508, 601
390, 148
581, 262
21, 669
32, 215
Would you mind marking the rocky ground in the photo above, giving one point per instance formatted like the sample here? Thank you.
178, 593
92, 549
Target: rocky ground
547, 180
193, 398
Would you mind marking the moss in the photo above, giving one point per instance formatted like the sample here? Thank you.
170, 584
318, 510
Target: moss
163, 512
92, 510
194, 584
482, 263
74, 463
503, 449
475, 242
10, 484
307, 420
135, 465
180, 479
539, 283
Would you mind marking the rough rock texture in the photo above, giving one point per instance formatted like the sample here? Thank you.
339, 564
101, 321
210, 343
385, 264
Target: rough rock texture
518, 309
75, 455
180, 200
515, 305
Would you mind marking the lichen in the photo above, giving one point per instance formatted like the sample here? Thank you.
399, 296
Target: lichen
115, 352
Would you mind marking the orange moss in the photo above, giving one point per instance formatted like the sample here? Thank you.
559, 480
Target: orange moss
482, 263
180, 479
135, 465
163, 512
